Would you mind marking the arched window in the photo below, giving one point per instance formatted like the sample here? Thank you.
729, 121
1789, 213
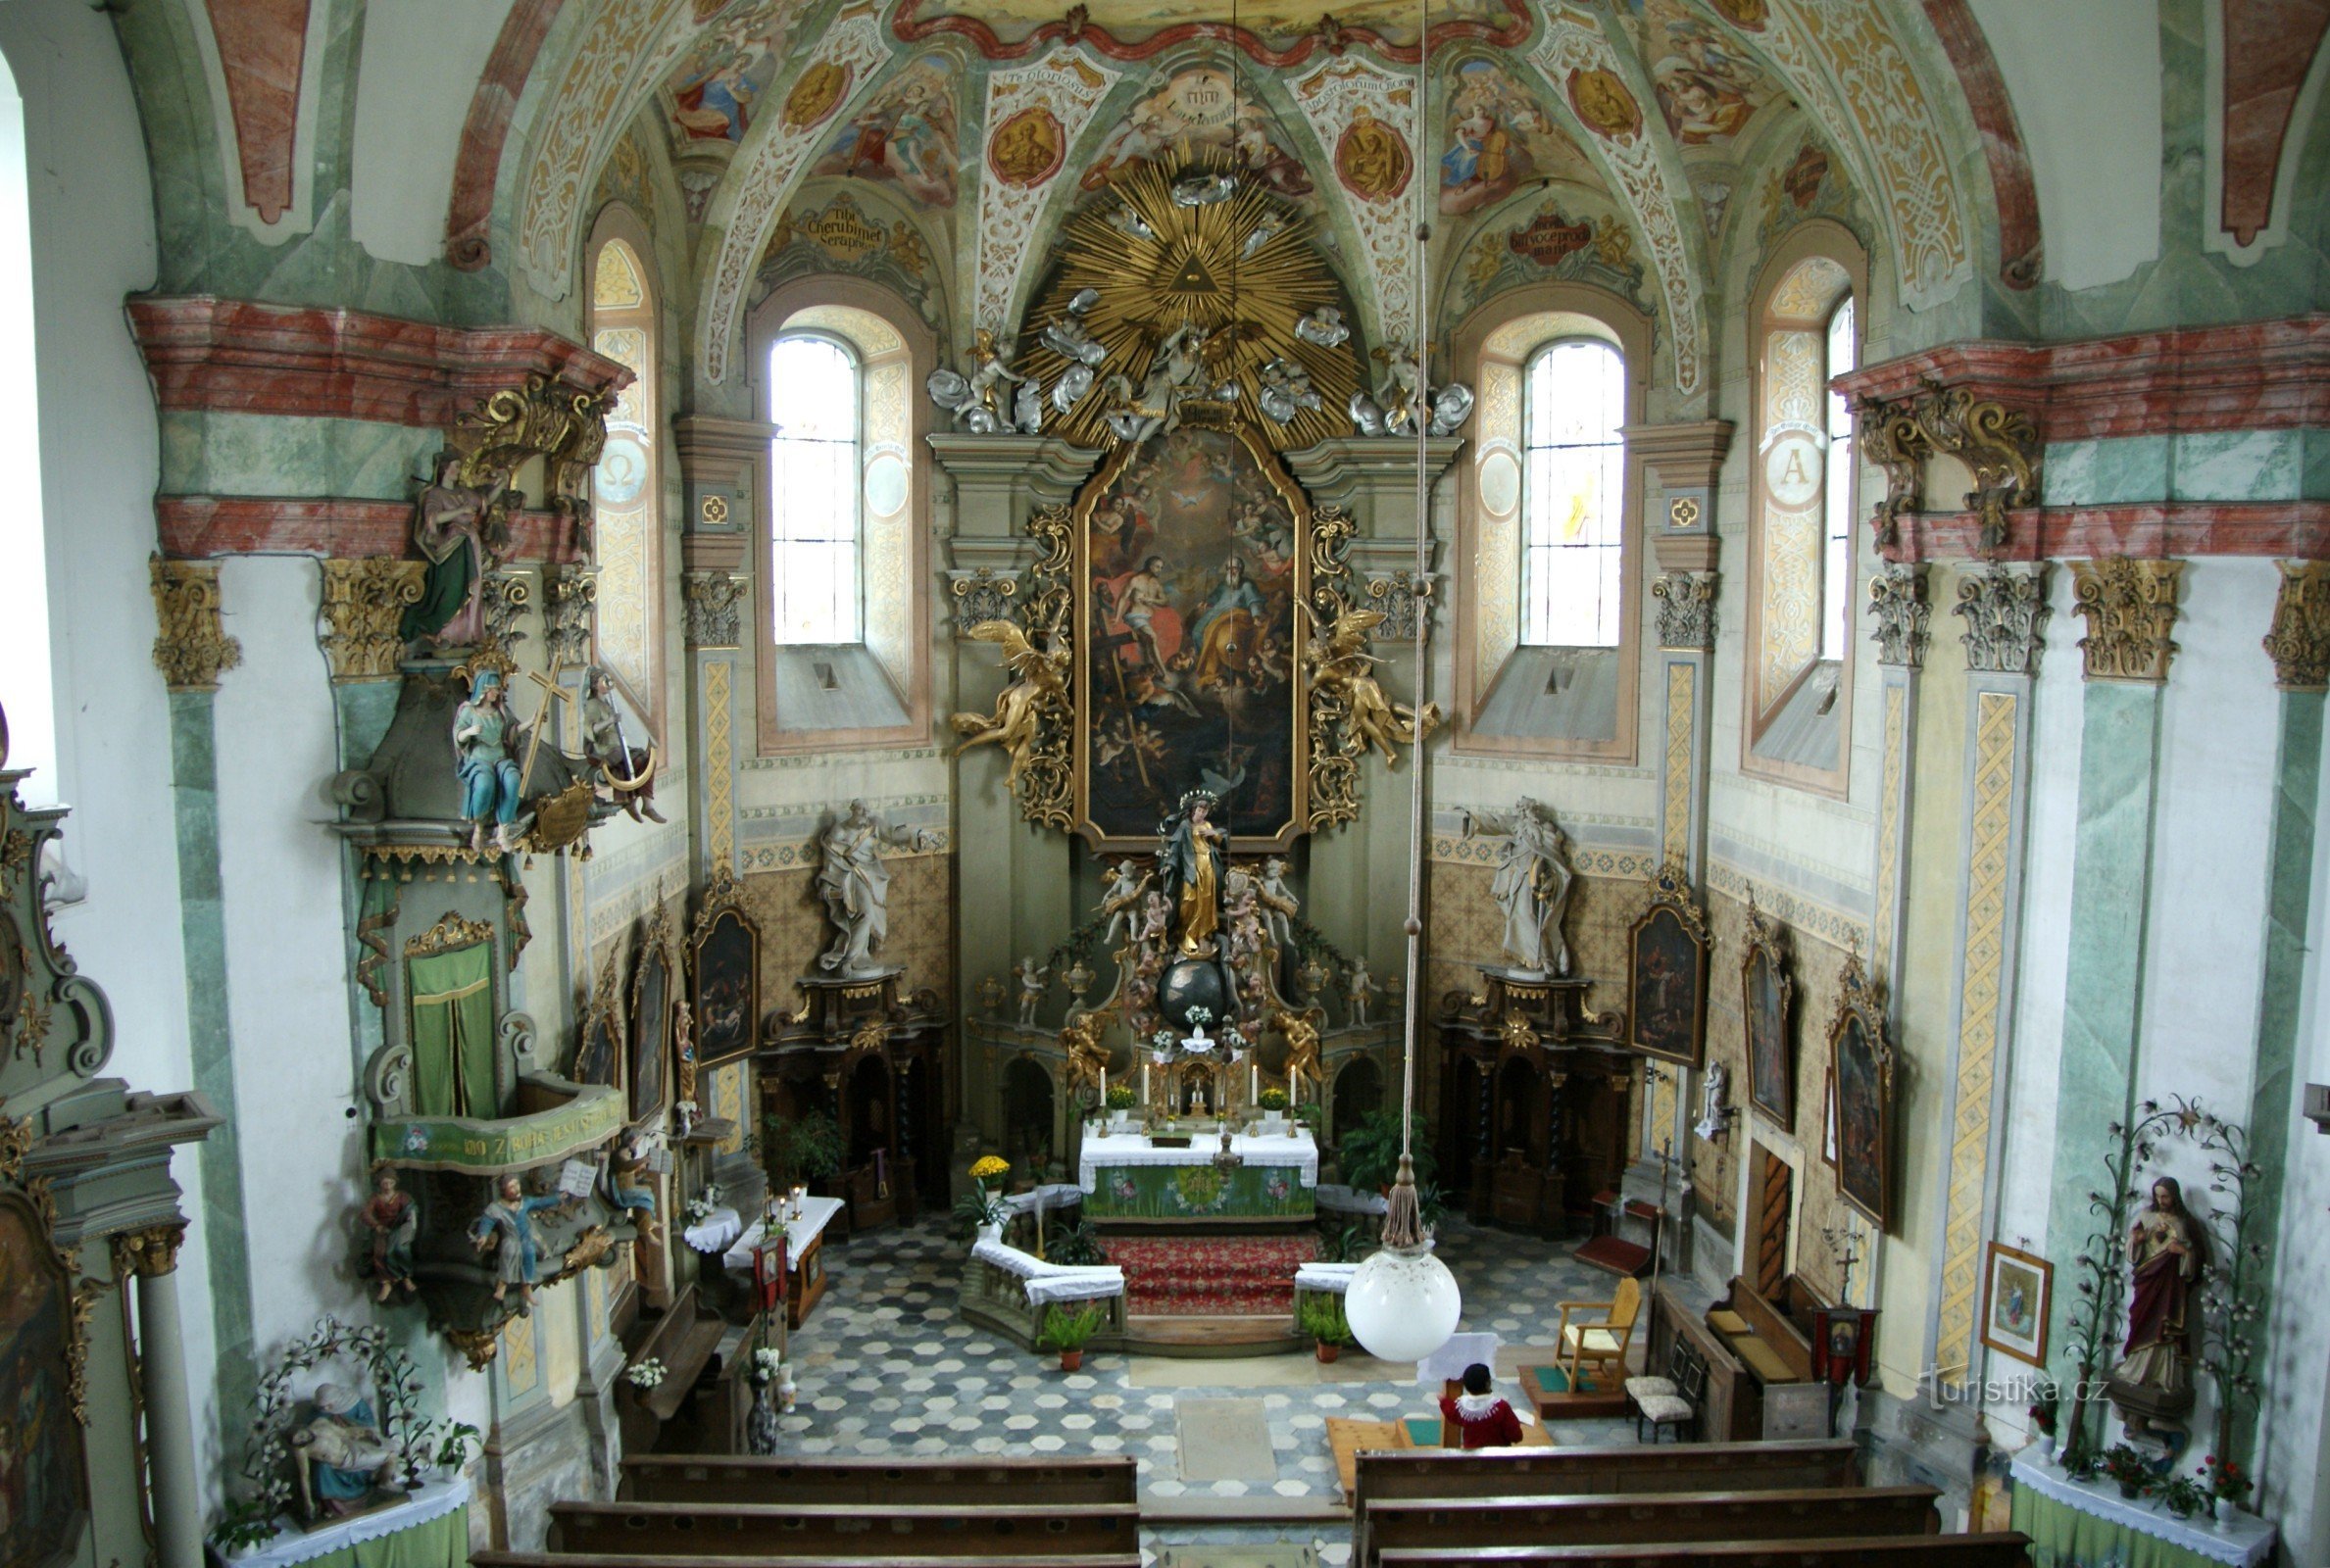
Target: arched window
815, 512
1572, 491
626, 486
1801, 608
26, 689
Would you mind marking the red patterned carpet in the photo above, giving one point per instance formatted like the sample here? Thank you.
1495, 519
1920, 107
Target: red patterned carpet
1209, 1276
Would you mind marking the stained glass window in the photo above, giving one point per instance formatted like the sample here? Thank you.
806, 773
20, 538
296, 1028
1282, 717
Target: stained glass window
1573, 490
625, 516
813, 492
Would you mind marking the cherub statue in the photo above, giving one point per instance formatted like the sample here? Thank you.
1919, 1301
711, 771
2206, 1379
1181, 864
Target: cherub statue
1039, 687
978, 399
1087, 1058
1279, 905
1121, 902
1066, 336
506, 1229
856, 886
1360, 989
1157, 919
1342, 670
1034, 980
1325, 327
1393, 408
391, 1222
1285, 390
1532, 883
1241, 916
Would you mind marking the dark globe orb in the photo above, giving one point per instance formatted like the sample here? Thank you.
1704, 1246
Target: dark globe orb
1196, 983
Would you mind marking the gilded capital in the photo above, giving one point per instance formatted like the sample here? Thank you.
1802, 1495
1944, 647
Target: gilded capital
1686, 610
153, 1251
573, 602
2130, 608
191, 648
714, 603
1897, 599
2299, 642
363, 602
2004, 610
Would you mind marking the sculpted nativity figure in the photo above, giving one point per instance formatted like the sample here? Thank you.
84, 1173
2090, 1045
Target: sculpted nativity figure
449, 532
2168, 1253
484, 758
1532, 884
506, 1229
856, 887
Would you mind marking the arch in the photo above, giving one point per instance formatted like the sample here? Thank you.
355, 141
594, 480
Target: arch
1359, 1091
626, 484
1790, 731
1029, 1120
1492, 348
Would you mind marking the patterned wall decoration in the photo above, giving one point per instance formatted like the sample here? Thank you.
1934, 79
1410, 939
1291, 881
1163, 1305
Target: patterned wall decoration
844, 237
1889, 828
1575, 53
1572, 236
1682, 706
720, 763
1989, 834
1877, 104
1366, 117
521, 1365
1035, 115
772, 158
905, 135
627, 177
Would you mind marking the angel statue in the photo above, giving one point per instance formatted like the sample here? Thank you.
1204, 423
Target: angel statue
1392, 407
856, 886
1532, 883
1285, 389
1039, 680
1341, 669
978, 399
1087, 1058
1120, 902
1302, 1049
1136, 414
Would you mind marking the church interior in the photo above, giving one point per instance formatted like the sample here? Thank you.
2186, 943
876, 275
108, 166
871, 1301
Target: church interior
974, 782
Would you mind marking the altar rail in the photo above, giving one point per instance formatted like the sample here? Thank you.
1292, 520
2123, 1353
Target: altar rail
996, 1297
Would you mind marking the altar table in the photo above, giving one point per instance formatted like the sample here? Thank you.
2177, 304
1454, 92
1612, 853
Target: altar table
2086, 1524
805, 1262
1125, 1177
430, 1529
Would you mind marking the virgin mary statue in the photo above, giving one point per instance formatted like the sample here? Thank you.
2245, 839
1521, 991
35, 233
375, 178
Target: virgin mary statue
1189, 862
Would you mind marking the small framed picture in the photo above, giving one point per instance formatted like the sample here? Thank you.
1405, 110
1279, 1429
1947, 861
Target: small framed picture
2019, 1289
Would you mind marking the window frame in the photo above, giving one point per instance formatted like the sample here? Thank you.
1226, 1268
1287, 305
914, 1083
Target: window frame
857, 362
919, 357
1528, 375
1826, 240
1475, 673
617, 223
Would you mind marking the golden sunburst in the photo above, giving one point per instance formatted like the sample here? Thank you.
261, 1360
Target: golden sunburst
1241, 269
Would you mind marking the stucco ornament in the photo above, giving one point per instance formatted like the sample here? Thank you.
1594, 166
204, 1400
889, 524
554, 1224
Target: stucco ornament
1897, 599
2299, 642
2130, 608
714, 605
2004, 610
1686, 610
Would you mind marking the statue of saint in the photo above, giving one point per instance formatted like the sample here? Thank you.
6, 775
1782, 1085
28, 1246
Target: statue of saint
507, 1230
856, 887
608, 746
484, 748
2168, 1250
1532, 884
449, 532
1190, 862
390, 1223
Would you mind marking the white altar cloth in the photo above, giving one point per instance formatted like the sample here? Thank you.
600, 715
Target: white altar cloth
715, 1231
816, 1214
1332, 1278
433, 1500
1047, 1283
1133, 1149
2246, 1540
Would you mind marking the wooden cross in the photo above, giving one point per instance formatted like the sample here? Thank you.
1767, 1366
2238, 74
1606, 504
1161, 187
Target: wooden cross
552, 691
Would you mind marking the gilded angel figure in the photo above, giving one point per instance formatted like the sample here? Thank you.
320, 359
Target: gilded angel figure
1342, 668
1039, 679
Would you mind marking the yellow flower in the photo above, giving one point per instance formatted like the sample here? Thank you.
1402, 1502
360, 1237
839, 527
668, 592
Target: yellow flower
989, 1166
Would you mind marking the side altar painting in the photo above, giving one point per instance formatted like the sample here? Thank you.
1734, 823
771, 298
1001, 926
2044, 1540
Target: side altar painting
1190, 582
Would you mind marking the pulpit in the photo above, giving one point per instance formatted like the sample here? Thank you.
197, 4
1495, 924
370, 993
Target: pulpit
1534, 1096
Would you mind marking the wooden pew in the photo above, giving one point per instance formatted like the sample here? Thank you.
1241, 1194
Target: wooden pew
1648, 1517
1625, 1468
685, 1339
633, 1559
2009, 1549
719, 1478
840, 1530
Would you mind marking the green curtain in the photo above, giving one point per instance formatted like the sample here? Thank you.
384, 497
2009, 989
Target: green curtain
2064, 1537
439, 1543
453, 1032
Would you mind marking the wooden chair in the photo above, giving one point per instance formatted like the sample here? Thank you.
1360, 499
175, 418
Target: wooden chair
1678, 1406
1600, 1342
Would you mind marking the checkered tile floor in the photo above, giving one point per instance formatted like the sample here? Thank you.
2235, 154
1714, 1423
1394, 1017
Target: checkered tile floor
885, 1366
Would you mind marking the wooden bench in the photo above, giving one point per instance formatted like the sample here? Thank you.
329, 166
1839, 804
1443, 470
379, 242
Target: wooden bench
685, 1339
1646, 1517
633, 1559
1626, 1468
841, 1530
2010, 1549
706, 1478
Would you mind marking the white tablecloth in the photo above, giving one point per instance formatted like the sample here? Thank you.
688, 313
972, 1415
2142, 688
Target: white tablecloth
1333, 1278
1133, 1149
1340, 1200
1052, 1282
715, 1231
433, 1501
816, 1214
1049, 1198
2246, 1540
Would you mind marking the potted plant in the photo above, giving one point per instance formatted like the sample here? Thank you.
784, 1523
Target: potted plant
1370, 1152
2182, 1495
983, 1207
1069, 1332
1121, 1103
1273, 1103
1323, 1320
244, 1527
2042, 1413
760, 1423
2227, 1484
803, 1147
457, 1447
2129, 1469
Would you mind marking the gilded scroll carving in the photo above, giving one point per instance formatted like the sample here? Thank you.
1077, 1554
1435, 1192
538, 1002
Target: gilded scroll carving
2004, 610
2000, 445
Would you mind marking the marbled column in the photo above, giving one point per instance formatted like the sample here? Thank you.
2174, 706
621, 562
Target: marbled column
2130, 608
1686, 647
2004, 610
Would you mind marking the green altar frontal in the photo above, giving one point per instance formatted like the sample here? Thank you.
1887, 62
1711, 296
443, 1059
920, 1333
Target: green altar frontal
1198, 1191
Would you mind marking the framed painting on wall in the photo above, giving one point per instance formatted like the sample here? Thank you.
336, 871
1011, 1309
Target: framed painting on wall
599, 1054
650, 1021
1828, 1119
1860, 1060
1667, 972
44, 1489
2018, 1292
725, 973
1766, 989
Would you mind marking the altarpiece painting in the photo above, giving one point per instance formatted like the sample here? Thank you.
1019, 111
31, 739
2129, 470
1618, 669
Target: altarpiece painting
41, 1471
1667, 972
1862, 1059
1767, 991
725, 973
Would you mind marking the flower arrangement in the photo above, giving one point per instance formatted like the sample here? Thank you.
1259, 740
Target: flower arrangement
1234, 1038
1198, 1017
247, 1523
1273, 1099
2043, 1408
701, 1205
989, 1168
645, 1374
2224, 1478
766, 1364
2181, 1495
2129, 1468
1120, 1097
1163, 1040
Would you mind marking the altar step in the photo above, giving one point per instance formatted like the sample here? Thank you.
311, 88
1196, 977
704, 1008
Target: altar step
1210, 1276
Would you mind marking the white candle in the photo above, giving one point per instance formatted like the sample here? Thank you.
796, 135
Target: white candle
1253, 1083
1103, 1089
1144, 1083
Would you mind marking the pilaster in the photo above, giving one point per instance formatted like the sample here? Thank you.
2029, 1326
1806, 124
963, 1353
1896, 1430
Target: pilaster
2005, 610
2130, 609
